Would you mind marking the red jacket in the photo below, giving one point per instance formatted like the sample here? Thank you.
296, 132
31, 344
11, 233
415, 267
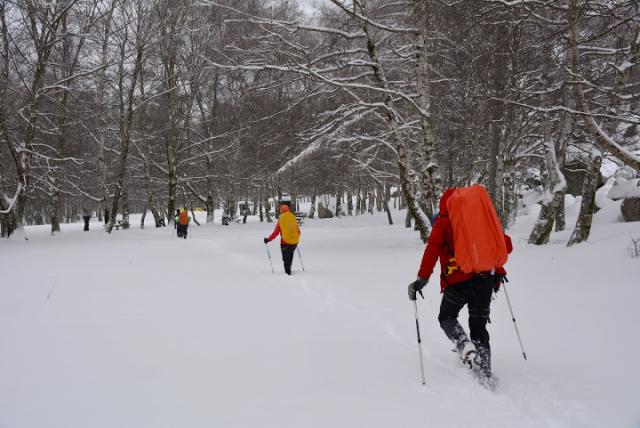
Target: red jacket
440, 245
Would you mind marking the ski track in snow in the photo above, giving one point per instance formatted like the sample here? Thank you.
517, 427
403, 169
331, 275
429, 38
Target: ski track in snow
141, 329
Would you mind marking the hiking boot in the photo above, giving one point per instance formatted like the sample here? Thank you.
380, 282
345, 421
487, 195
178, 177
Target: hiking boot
468, 354
482, 361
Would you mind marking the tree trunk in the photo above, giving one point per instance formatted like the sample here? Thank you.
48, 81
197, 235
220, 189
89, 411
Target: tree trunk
210, 209
55, 212
350, 204
385, 204
126, 120
383, 199
407, 220
587, 208
371, 202
551, 202
402, 149
144, 215
246, 210
430, 179
507, 200
193, 216
125, 208
312, 209
544, 225
560, 220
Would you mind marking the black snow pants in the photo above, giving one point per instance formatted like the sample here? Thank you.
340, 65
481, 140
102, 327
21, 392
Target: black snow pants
476, 293
287, 256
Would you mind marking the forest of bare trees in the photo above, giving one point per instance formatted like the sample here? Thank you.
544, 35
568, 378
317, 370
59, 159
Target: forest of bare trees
119, 106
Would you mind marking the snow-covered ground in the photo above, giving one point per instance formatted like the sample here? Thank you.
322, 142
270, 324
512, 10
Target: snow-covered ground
140, 329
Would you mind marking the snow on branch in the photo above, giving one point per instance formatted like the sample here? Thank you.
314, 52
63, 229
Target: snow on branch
289, 26
84, 193
555, 109
311, 148
367, 20
12, 201
60, 84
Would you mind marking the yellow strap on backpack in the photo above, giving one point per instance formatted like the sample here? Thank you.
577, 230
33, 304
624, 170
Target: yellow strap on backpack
452, 266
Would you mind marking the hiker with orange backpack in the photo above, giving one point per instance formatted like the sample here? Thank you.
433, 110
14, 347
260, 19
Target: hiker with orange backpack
466, 279
183, 219
289, 231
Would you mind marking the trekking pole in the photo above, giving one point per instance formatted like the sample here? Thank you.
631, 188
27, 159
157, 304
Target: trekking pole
270, 262
514, 321
415, 308
300, 255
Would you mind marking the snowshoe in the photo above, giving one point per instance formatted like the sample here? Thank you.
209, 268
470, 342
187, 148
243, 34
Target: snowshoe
468, 354
488, 382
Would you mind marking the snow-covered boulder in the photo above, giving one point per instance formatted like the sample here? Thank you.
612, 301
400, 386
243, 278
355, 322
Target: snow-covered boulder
631, 207
623, 188
324, 212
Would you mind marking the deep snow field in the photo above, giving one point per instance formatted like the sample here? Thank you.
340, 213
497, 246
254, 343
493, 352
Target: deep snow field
141, 329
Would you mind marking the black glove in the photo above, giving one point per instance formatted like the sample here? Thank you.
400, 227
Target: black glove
416, 287
266, 240
499, 279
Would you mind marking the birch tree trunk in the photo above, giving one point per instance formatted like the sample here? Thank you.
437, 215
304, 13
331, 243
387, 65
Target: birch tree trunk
551, 201
430, 180
402, 149
588, 205
566, 126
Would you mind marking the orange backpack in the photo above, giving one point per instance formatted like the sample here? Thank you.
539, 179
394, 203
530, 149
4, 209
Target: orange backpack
184, 218
478, 238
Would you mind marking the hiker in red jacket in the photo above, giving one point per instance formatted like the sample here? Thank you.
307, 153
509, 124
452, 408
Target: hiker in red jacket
459, 289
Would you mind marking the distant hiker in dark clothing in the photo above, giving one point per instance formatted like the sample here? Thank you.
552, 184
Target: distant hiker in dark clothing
86, 217
289, 231
460, 288
176, 219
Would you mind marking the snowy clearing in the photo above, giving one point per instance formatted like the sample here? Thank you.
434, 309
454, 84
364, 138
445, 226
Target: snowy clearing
140, 329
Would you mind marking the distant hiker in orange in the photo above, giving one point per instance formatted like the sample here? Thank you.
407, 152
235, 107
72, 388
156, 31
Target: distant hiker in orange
460, 288
289, 232
183, 219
